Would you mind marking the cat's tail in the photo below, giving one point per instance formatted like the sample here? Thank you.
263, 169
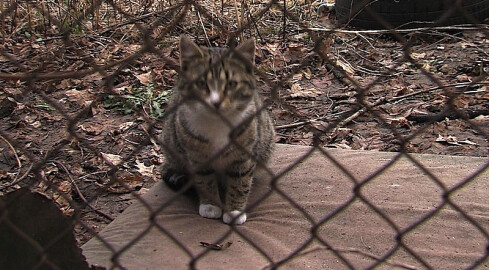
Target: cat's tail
177, 181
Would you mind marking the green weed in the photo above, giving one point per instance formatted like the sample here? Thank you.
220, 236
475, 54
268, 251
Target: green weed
142, 98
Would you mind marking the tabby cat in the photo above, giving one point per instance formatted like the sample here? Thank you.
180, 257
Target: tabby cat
216, 131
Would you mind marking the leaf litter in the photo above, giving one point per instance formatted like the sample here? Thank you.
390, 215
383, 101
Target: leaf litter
314, 97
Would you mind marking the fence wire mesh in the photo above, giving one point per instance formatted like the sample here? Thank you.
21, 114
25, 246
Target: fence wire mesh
85, 86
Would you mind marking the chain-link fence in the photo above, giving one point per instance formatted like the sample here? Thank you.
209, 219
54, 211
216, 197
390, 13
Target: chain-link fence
85, 86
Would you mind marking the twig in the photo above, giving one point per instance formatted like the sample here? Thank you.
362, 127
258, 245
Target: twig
340, 124
358, 113
15, 154
456, 85
284, 22
384, 100
350, 118
421, 118
90, 174
298, 124
102, 31
75, 74
250, 18
107, 216
17, 178
131, 21
151, 137
463, 27
238, 20
203, 29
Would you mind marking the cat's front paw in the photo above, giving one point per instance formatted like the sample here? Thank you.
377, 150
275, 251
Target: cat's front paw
238, 217
210, 211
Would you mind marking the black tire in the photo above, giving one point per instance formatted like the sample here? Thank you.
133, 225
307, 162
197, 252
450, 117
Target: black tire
410, 13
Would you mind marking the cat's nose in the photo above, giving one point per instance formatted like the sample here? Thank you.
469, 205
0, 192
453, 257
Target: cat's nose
215, 100
217, 104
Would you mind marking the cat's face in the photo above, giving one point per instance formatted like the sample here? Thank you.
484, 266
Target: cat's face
217, 79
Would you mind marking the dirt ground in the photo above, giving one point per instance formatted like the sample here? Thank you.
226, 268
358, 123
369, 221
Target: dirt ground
77, 130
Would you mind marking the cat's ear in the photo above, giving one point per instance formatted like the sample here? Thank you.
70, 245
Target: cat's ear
247, 50
188, 50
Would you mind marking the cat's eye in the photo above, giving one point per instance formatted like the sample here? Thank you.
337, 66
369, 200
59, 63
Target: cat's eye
232, 84
200, 83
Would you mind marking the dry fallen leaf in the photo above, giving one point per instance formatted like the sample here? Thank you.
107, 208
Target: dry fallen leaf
398, 122
127, 182
36, 124
145, 78
145, 170
467, 141
346, 67
216, 246
142, 191
299, 92
307, 73
295, 88
111, 159
341, 145
463, 78
297, 77
319, 125
448, 140
62, 196
418, 55
452, 140
481, 119
126, 125
92, 129
461, 102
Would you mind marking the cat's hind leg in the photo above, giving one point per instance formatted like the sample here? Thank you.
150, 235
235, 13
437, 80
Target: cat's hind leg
210, 211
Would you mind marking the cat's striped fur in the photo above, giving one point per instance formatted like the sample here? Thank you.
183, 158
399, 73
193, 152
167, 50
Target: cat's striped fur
217, 131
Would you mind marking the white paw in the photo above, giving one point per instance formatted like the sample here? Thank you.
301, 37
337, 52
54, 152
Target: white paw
210, 211
229, 216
